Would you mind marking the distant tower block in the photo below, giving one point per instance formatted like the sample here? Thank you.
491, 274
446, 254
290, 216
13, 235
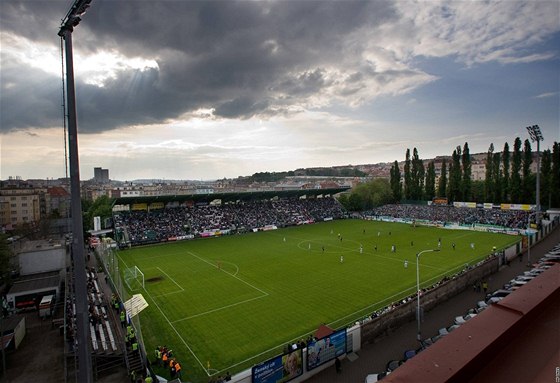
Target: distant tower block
100, 175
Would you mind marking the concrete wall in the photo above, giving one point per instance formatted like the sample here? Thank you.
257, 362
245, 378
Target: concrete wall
406, 312
19, 332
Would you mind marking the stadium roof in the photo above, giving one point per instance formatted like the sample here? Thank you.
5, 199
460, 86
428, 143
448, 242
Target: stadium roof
230, 197
35, 282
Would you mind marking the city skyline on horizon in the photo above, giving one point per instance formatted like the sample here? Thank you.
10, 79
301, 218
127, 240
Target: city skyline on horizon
475, 157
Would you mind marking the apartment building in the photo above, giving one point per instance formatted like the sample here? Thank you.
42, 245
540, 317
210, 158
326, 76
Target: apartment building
21, 206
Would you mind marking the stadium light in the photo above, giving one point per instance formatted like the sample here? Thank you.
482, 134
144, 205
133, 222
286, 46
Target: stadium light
419, 333
85, 372
536, 136
529, 233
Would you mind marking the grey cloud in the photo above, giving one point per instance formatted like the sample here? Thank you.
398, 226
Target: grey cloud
29, 98
302, 84
248, 106
239, 58
36, 20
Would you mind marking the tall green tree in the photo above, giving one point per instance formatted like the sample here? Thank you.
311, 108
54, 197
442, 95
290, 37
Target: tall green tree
356, 202
442, 184
515, 179
546, 178
101, 207
431, 181
343, 200
371, 194
505, 172
395, 181
527, 182
489, 180
497, 177
478, 191
381, 192
466, 182
555, 182
454, 191
417, 176
407, 179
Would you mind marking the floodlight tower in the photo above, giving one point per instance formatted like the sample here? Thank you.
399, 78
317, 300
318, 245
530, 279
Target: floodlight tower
85, 375
536, 135
418, 307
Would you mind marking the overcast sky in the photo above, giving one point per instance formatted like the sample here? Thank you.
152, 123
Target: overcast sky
213, 89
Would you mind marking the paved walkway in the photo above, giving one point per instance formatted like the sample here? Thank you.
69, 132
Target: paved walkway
374, 357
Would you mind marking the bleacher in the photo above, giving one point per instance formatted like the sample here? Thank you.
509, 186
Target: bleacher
142, 227
101, 329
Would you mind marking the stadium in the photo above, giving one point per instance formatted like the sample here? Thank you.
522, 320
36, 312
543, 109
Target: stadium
237, 283
183, 285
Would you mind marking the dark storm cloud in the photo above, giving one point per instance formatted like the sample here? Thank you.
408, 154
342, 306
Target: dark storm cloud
34, 99
241, 58
304, 84
37, 21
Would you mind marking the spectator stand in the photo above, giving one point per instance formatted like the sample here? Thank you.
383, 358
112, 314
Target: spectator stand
140, 227
107, 351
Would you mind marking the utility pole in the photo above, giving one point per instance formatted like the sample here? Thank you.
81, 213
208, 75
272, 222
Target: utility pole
85, 373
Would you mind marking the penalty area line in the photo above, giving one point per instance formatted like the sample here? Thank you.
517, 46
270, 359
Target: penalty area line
230, 274
173, 327
219, 309
172, 280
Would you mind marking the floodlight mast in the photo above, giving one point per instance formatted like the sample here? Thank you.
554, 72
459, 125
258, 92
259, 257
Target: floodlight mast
85, 373
536, 135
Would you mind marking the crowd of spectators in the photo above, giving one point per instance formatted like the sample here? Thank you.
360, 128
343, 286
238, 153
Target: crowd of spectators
162, 224
515, 219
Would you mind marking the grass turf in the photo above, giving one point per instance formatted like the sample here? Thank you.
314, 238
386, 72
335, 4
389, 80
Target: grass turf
225, 304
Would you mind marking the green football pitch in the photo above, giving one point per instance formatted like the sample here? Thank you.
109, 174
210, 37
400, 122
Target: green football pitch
228, 303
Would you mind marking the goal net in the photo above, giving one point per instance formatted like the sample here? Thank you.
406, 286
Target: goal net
134, 278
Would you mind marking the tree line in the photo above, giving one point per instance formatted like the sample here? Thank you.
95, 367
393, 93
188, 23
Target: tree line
508, 179
347, 171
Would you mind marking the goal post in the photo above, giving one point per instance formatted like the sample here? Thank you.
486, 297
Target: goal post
134, 278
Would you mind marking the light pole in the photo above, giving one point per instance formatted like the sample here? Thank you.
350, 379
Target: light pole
529, 236
85, 366
419, 333
536, 135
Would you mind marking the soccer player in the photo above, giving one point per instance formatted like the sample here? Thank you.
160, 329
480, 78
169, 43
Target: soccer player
342, 259
406, 263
